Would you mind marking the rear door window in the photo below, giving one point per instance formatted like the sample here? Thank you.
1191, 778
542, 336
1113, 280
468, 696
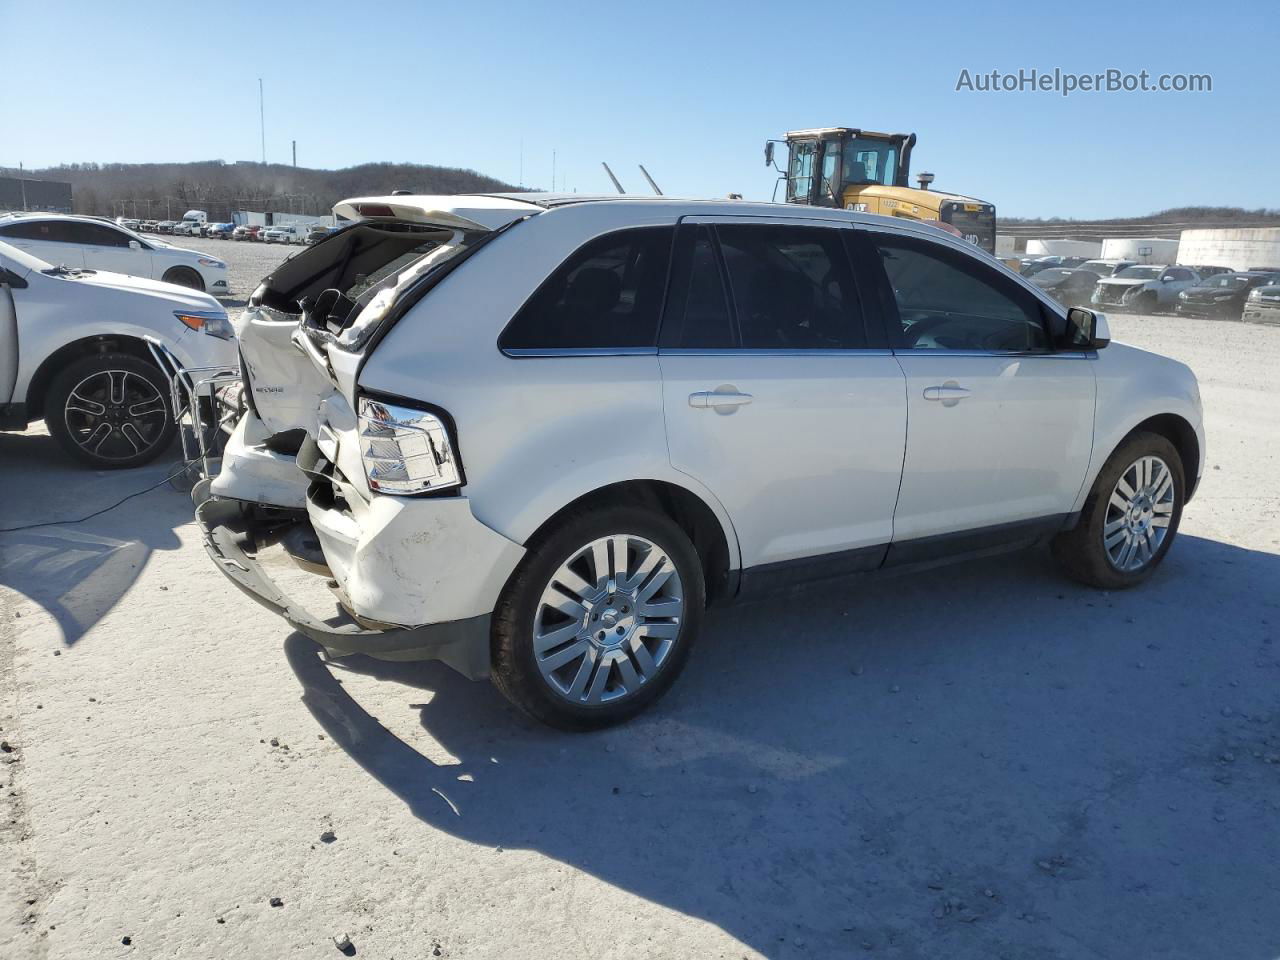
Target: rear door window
606, 296
792, 287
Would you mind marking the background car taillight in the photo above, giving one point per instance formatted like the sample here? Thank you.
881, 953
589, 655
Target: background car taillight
405, 450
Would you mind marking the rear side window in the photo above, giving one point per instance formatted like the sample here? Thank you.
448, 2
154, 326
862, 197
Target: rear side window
607, 295
52, 230
765, 287
792, 288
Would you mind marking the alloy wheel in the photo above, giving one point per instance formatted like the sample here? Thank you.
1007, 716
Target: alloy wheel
608, 619
115, 414
1139, 512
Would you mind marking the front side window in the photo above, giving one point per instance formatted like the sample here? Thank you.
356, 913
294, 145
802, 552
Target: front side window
949, 301
97, 235
607, 295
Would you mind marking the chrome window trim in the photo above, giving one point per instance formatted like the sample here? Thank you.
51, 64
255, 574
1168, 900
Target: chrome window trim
941, 352
524, 352
742, 352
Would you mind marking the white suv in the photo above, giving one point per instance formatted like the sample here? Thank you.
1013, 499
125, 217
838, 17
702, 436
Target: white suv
103, 245
73, 351
535, 437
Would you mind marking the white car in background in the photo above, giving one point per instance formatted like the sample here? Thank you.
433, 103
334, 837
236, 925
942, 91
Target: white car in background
534, 436
102, 245
72, 352
282, 234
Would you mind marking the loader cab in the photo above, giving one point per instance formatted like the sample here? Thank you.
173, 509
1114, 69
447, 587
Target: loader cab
825, 165
868, 172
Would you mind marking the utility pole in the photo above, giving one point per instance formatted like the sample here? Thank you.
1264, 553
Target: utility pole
22, 183
262, 122
520, 182
295, 154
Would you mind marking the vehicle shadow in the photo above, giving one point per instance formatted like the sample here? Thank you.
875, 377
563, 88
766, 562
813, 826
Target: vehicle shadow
78, 571
978, 761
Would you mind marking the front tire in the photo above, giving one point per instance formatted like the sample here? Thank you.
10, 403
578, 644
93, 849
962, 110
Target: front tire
184, 277
1130, 518
110, 411
599, 618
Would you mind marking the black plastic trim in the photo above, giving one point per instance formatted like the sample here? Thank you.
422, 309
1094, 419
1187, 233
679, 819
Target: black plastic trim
233, 531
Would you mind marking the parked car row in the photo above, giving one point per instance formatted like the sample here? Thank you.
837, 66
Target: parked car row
1124, 285
195, 224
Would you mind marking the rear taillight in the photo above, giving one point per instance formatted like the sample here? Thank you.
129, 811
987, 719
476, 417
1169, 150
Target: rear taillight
405, 450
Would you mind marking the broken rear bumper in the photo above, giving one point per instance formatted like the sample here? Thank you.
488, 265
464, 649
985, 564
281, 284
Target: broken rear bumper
233, 531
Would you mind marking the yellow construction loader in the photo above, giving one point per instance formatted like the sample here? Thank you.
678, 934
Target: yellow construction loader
868, 172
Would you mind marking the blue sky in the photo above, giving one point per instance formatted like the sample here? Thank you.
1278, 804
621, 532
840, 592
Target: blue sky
690, 89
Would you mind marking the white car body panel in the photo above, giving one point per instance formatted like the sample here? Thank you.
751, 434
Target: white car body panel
54, 311
1016, 448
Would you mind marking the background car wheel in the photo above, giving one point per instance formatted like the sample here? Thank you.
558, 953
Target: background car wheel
1130, 518
110, 410
184, 277
599, 618
1146, 303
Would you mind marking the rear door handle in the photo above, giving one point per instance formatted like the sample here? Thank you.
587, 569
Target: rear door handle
710, 399
949, 393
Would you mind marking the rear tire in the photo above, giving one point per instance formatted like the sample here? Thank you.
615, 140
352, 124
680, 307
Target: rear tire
184, 277
1117, 542
599, 618
110, 411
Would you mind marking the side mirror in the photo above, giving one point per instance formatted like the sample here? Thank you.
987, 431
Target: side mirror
11, 279
134, 245
1087, 330
768, 153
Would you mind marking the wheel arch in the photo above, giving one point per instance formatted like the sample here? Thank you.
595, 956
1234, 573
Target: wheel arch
1178, 431
68, 353
184, 270
688, 510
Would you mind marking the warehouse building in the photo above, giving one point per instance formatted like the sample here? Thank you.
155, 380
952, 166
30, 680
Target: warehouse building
47, 196
1239, 249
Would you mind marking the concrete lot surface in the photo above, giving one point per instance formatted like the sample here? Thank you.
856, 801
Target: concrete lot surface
977, 762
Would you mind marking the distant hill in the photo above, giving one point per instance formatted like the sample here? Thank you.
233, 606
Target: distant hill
1173, 215
1166, 223
162, 190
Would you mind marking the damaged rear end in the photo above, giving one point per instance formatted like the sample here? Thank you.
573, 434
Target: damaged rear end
325, 471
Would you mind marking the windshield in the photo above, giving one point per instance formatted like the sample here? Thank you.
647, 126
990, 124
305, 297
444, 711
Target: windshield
1139, 273
1227, 280
870, 161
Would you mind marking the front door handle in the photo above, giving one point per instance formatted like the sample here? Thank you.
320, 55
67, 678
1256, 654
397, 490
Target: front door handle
711, 399
950, 393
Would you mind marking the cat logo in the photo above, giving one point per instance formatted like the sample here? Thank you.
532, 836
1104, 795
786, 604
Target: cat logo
856, 207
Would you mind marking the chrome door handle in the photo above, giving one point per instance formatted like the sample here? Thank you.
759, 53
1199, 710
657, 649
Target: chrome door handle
949, 393
710, 399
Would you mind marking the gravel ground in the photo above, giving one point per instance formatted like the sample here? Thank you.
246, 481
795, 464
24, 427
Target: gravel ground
247, 261
975, 762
